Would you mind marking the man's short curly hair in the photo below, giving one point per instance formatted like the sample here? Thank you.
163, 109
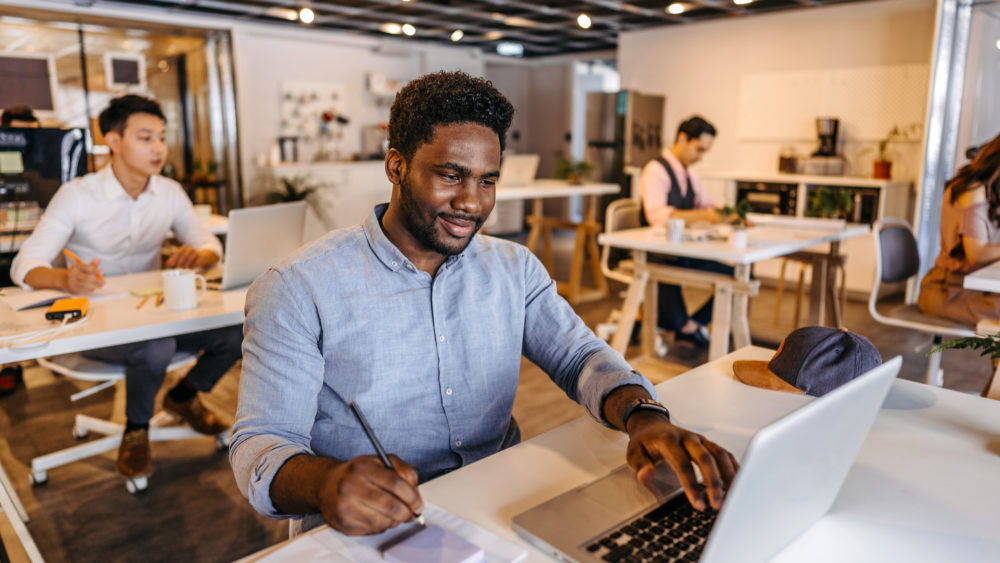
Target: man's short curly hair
443, 98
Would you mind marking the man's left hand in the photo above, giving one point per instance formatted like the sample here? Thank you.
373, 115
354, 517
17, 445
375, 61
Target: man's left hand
652, 438
187, 257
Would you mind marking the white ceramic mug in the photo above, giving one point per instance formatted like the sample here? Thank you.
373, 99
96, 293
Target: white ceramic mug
675, 230
203, 212
180, 289
738, 238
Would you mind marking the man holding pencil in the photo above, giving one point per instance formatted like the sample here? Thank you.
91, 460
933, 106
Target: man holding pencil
422, 323
114, 221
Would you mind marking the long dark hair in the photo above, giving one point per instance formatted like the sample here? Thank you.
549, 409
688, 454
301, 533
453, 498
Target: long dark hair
985, 170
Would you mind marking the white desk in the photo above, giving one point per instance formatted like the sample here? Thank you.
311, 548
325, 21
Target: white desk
923, 487
984, 279
730, 306
586, 231
116, 321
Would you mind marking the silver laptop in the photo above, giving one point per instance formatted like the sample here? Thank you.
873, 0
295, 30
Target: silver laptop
789, 477
518, 170
259, 237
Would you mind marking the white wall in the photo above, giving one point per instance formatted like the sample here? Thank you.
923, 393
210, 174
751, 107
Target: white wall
700, 68
267, 57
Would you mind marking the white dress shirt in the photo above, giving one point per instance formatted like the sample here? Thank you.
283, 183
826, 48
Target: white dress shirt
93, 216
654, 185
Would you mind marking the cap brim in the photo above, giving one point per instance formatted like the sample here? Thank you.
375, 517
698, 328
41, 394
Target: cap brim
757, 374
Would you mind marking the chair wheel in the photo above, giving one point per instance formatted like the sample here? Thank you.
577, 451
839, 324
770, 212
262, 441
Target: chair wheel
222, 442
80, 433
38, 478
136, 485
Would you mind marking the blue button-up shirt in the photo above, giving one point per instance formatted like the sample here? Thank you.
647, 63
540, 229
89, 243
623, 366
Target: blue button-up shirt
432, 361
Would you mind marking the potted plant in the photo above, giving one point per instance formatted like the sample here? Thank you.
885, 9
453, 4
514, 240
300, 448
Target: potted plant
294, 189
736, 217
573, 171
830, 203
882, 165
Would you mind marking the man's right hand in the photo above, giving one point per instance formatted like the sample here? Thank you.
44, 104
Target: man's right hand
361, 496
82, 279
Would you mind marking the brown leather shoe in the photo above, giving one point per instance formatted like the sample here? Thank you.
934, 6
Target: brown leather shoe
196, 415
134, 454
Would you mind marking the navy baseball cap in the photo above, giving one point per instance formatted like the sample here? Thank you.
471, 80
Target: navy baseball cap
813, 360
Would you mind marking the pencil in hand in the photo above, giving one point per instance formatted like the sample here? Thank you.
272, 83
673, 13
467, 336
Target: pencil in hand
76, 259
378, 448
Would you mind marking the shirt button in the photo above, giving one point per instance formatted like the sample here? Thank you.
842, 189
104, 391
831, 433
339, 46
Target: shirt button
441, 338
458, 443
447, 391
394, 263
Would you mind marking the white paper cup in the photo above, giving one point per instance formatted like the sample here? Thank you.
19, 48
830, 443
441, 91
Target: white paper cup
180, 290
675, 230
738, 238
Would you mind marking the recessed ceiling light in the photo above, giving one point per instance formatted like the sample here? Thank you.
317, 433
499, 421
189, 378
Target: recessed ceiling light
493, 35
998, 43
675, 8
390, 28
409, 29
583, 20
510, 49
457, 35
742, 2
306, 15
282, 13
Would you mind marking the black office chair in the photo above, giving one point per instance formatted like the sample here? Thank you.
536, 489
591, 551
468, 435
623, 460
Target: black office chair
897, 260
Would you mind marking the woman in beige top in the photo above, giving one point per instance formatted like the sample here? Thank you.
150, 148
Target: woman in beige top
970, 239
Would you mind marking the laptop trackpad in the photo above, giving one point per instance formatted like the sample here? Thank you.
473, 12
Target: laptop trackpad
621, 493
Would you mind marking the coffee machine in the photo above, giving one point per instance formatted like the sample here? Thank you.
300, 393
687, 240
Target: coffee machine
825, 160
826, 128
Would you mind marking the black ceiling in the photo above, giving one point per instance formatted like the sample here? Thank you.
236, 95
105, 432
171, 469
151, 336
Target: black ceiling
543, 28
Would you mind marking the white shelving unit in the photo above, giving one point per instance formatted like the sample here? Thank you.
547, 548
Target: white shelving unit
895, 199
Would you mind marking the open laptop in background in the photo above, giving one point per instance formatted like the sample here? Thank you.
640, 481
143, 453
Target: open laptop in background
790, 476
258, 237
518, 170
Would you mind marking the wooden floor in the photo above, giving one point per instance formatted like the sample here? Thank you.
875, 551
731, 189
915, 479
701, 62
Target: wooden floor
193, 511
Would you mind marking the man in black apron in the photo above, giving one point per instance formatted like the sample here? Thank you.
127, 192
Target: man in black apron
671, 190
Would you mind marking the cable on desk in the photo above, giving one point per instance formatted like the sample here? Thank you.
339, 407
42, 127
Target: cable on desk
16, 342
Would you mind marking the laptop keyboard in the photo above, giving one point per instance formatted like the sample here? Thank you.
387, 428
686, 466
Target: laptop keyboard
671, 532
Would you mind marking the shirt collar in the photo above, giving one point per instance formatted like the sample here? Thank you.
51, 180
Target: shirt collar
112, 188
672, 159
385, 250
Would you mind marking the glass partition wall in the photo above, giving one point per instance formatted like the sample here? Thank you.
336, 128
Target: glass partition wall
963, 106
87, 62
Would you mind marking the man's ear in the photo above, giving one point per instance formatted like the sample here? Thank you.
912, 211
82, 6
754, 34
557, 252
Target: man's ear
114, 140
395, 167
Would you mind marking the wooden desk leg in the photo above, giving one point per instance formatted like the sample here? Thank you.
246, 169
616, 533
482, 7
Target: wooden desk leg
992, 390
650, 318
740, 320
832, 302
595, 262
576, 264
817, 291
535, 220
633, 298
722, 309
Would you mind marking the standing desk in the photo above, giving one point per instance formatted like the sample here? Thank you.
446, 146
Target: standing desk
922, 489
110, 322
729, 311
585, 231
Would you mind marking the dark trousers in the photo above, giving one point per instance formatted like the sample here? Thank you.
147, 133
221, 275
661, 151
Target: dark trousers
146, 364
671, 311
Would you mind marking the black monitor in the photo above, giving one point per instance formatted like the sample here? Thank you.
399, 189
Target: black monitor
49, 157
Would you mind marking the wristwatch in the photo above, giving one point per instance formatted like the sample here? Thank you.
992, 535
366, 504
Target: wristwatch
643, 405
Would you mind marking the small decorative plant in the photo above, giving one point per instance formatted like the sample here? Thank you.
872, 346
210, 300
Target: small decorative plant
736, 215
295, 189
574, 171
987, 344
830, 203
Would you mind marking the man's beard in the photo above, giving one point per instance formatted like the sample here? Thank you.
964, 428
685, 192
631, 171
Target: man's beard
423, 228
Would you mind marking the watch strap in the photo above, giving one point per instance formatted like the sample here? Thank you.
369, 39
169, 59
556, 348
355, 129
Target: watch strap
643, 405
